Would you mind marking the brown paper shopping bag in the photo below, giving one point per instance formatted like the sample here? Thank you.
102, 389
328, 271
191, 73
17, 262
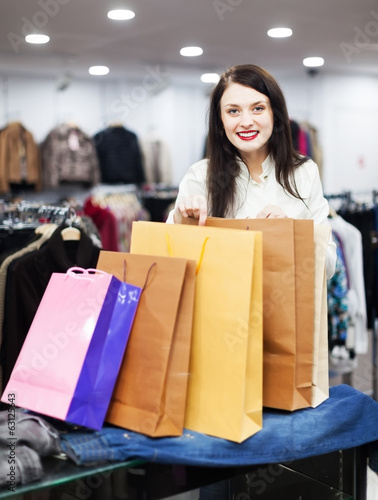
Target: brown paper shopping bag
288, 307
225, 383
151, 389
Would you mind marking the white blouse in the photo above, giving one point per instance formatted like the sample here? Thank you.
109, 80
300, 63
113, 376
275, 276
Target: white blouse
252, 197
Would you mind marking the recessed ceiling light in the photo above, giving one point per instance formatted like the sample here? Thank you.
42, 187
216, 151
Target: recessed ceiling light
280, 32
313, 62
98, 70
191, 51
37, 38
210, 78
121, 14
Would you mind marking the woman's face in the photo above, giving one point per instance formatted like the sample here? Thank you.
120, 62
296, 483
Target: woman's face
247, 119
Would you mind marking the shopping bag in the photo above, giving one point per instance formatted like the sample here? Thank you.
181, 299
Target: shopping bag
288, 307
150, 393
225, 383
70, 359
320, 374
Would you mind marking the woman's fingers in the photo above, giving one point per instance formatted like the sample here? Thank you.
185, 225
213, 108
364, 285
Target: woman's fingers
194, 206
271, 212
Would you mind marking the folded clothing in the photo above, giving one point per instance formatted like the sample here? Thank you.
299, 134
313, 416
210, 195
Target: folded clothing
24, 439
21, 468
30, 430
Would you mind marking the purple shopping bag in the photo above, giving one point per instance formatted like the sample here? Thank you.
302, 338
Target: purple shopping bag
69, 363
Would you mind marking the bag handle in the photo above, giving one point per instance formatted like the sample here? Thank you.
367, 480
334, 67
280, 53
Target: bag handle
170, 251
81, 273
147, 276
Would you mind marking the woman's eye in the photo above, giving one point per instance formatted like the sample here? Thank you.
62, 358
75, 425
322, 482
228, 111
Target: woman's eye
232, 111
259, 109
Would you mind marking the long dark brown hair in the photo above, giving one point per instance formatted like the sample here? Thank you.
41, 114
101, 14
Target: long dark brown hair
223, 156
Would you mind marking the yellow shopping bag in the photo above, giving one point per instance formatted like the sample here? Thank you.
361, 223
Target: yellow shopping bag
225, 383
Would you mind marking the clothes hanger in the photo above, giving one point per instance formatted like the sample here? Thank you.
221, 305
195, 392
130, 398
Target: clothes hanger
71, 233
46, 229
332, 212
115, 124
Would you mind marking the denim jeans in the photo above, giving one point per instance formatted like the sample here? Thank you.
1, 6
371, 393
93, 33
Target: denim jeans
346, 420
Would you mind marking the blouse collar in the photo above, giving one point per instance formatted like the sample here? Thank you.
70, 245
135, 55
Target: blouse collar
267, 168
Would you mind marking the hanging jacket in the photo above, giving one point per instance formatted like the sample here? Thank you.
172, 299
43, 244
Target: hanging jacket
20, 160
119, 156
69, 156
27, 279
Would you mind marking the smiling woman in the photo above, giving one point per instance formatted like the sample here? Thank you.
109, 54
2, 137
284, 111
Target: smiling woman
252, 169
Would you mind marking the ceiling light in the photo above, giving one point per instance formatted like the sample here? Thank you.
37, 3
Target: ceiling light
98, 70
210, 78
280, 32
191, 51
121, 14
37, 39
313, 62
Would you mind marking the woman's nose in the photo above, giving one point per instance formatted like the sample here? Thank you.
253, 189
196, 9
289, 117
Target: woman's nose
246, 119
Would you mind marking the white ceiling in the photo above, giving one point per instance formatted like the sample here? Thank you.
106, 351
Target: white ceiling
344, 32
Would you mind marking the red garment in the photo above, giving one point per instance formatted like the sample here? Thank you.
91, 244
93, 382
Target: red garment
302, 142
106, 224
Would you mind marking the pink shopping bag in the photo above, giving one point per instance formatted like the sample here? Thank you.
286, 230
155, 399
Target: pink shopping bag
69, 362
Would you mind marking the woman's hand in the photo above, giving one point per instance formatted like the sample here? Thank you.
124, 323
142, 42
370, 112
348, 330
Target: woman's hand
191, 206
271, 212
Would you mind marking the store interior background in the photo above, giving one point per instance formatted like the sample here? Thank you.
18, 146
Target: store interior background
151, 89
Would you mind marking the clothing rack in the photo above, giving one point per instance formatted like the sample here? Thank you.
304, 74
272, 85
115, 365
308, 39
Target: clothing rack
106, 189
352, 200
344, 196
358, 199
375, 197
113, 208
26, 215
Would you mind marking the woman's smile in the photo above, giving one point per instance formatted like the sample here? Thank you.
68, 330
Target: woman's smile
248, 136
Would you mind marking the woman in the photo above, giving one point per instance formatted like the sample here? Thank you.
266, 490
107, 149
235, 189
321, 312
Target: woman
252, 170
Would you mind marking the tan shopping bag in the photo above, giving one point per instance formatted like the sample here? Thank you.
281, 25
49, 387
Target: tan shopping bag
288, 307
151, 389
225, 384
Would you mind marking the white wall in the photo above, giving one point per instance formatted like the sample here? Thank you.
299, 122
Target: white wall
344, 109
176, 112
